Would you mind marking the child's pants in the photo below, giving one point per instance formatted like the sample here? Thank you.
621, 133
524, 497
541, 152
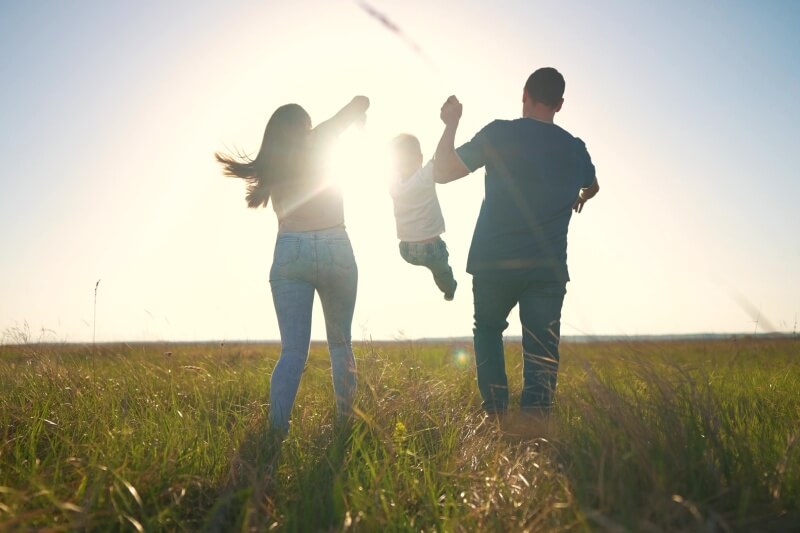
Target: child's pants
432, 255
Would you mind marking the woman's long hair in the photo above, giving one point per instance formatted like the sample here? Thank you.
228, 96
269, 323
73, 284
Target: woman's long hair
280, 158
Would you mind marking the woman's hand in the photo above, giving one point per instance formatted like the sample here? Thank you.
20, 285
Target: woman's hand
361, 103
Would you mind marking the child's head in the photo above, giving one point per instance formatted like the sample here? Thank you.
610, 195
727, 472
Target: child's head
406, 154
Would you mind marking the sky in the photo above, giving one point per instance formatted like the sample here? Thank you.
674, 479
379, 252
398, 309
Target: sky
110, 113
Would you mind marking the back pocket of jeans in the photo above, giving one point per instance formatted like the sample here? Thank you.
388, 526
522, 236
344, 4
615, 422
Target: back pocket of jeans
287, 251
342, 254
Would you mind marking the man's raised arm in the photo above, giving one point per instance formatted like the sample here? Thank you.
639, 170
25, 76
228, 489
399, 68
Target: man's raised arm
447, 166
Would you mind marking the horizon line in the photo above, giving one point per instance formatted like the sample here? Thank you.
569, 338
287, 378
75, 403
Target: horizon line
513, 338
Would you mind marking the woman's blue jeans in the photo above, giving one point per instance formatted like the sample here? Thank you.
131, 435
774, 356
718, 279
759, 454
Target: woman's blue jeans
306, 263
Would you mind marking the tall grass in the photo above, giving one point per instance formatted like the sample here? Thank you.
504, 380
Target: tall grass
699, 436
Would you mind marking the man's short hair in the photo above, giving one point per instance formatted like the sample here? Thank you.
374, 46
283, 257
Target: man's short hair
406, 144
546, 86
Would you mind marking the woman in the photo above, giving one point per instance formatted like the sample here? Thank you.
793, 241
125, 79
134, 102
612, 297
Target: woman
312, 252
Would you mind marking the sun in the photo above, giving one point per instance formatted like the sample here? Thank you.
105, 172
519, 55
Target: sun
359, 165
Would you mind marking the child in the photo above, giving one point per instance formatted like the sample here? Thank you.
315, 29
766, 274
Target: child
417, 213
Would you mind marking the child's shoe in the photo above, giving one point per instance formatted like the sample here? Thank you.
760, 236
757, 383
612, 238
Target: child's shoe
448, 296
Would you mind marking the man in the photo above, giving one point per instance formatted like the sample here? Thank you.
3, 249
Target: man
536, 175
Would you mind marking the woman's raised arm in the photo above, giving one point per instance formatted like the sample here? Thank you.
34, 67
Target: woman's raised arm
346, 117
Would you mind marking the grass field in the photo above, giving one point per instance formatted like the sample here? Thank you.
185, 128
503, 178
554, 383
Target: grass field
676, 436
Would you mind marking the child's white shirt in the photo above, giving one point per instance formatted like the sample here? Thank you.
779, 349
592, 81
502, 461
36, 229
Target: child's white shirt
416, 206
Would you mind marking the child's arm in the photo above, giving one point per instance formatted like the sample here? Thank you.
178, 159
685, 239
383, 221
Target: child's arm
346, 117
447, 166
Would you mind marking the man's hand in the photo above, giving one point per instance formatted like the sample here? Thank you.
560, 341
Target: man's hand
451, 111
578, 207
585, 195
447, 166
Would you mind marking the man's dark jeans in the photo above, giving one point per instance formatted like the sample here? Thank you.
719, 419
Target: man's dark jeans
540, 315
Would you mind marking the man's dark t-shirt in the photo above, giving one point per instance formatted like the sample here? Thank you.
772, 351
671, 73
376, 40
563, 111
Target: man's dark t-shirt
534, 171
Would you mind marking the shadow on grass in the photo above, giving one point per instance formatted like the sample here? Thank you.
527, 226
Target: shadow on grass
317, 502
244, 498
276, 483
